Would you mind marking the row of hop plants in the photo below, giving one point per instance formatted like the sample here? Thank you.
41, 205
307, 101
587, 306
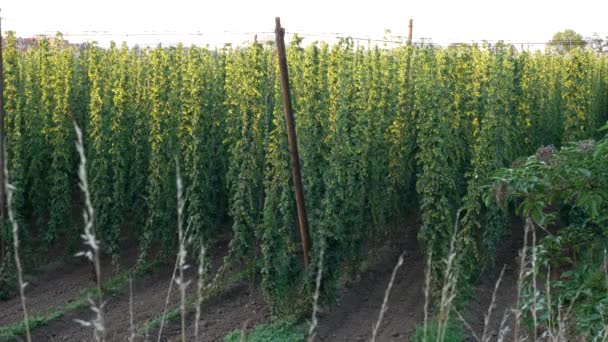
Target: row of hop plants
382, 133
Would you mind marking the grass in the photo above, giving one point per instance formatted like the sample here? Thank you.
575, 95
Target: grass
285, 331
453, 332
153, 324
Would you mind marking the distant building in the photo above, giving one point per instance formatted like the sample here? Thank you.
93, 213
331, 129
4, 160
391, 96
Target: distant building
24, 44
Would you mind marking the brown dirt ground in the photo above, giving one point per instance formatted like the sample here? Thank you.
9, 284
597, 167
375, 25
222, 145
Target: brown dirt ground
149, 294
506, 295
220, 314
57, 285
358, 309
350, 320
360, 306
240, 308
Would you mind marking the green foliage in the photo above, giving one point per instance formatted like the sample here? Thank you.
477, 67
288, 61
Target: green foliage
120, 150
99, 145
279, 242
569, 184
454, 332
539, 102
276, 331
15, 126
576, 96
138, 111
401, 135
339, 230
200, 138
382, 132
246, 127
437, 176
566, 41
311, 103
59, 134
13, 102
38, 105
494, 147
164, 86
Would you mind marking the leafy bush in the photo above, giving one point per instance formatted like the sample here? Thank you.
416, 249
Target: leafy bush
567, 188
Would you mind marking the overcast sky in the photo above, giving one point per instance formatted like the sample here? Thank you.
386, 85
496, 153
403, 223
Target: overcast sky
234, 21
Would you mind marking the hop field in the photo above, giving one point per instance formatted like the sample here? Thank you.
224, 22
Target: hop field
385, 135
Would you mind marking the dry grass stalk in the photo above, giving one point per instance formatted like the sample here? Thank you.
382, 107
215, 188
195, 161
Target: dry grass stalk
450, 282
534, 279
131, 316
427, 292
15, 230
315, 302
554, 329
488, 317
244, 331
466, 325
90, 240
199, 291
385, 301
503, 330
173, 280
520, 280
181, 282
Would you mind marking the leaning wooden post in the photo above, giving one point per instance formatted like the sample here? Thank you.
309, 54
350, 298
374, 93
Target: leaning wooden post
292, 140
410, 28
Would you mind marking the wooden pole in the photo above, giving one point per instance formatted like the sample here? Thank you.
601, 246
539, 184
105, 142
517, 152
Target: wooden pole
409, 32
292, 140
2, 148
409, 56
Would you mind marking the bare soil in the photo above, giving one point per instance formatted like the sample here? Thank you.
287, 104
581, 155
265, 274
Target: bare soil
148, 297
59, 284
148, 301
240, 308
359, 307
506, 294
352, 319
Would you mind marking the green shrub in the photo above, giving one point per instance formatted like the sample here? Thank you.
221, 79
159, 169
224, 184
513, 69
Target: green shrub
284, 331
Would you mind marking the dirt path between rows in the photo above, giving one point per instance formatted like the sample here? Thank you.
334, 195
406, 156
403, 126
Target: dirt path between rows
59, 285
506, 295
239, 308
359, 307
357, 310
148, 298
220, 314
351, 319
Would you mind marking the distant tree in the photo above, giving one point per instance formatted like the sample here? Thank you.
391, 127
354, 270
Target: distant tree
564, 41
598, 43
